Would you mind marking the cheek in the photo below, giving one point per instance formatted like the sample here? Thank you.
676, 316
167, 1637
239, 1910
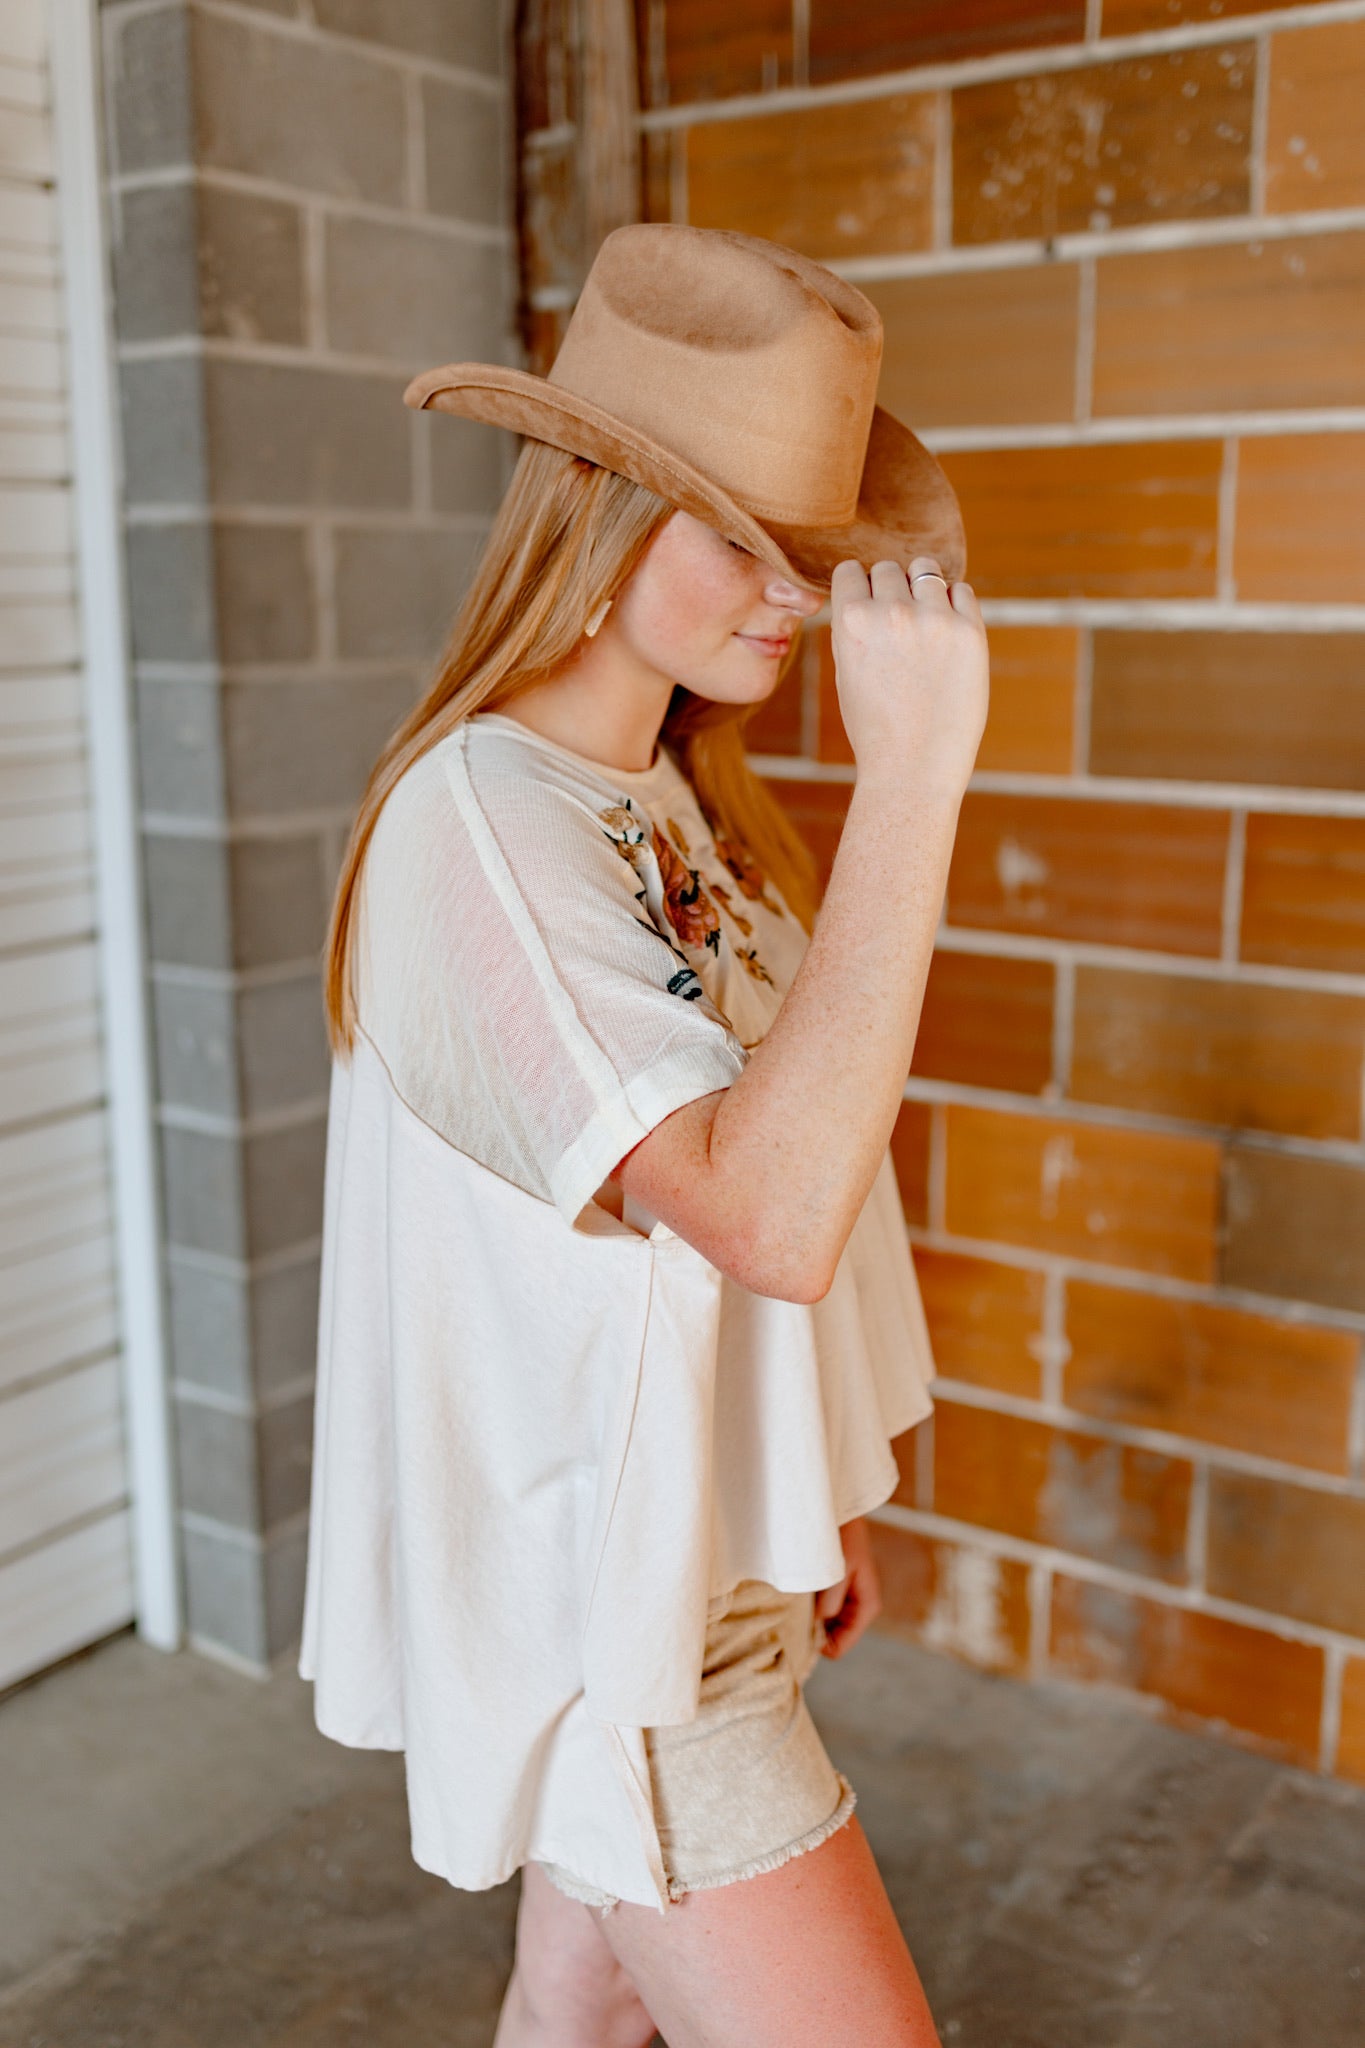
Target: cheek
697, 608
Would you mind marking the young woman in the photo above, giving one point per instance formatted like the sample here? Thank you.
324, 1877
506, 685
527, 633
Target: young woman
618, 1317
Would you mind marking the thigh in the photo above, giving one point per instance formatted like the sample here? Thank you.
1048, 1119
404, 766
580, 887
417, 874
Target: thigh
809, 1955
569, 1977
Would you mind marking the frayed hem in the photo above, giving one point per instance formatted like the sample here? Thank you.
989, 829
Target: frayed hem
678, 1888
848, 1799
575, 1888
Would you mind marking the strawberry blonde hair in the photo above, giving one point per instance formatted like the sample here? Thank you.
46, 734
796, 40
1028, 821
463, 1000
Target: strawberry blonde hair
567, 535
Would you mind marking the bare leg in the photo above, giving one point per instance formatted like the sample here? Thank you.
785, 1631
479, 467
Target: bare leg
567, 1989
809, 1955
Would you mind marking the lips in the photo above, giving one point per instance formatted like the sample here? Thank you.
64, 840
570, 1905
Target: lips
776, 645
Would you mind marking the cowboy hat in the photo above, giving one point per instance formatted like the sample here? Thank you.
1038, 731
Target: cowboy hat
738, 380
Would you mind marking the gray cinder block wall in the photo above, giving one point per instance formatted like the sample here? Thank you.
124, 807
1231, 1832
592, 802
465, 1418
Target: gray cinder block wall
309, 200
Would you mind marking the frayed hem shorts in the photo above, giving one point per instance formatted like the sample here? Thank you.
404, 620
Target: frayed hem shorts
747, 1784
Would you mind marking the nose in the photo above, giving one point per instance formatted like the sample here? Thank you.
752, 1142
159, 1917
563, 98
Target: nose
791, 597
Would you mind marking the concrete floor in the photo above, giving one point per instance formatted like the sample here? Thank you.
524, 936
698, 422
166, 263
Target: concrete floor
188, 1864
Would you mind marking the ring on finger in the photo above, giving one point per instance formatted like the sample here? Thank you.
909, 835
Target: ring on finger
938, 578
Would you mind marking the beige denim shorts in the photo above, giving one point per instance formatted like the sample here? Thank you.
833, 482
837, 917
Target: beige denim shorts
747, 1784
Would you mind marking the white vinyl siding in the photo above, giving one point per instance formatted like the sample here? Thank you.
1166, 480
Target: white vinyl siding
65, 1549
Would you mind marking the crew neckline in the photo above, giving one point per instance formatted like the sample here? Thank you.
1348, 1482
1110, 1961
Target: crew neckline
662, 768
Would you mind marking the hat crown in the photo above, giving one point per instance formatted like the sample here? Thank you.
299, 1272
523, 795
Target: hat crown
747, 360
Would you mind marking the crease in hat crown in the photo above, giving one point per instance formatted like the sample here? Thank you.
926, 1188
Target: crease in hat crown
738, 379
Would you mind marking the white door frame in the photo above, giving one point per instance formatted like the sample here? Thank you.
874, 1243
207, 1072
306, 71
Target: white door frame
73, 55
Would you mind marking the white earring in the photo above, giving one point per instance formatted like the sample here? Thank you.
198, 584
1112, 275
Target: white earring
595, 621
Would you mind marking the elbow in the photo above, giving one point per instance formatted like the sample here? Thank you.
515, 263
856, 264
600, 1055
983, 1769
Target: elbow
786, 1271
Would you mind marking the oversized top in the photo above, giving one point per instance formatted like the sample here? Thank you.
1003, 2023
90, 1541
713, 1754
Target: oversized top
547, 1434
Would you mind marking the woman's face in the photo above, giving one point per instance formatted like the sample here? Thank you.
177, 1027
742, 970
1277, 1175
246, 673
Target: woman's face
709, 615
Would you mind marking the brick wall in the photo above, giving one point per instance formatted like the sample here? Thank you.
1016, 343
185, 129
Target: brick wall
308, 203
1120, 253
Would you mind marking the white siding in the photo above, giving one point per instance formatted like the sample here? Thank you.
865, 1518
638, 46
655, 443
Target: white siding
65, 1554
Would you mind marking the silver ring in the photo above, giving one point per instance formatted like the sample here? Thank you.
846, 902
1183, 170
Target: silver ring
928, 572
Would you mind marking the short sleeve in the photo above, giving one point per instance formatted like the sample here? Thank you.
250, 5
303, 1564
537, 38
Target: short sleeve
527, 1003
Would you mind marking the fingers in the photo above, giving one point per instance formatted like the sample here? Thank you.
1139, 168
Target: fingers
928, 584
964, 600
847, 584
888, 583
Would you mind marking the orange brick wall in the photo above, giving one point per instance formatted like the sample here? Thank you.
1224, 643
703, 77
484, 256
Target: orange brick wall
1120, 254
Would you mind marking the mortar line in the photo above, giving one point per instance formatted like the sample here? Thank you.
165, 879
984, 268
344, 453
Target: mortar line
320, 540
1114, 1117
1039, 1619
1055, 1350
1254, 974
942, 227
1174, 615
1356, 1427
1086, 282
1329, 1728
348, 518
295, 29
422, 494
1197, 1528
1082, 695
224, 1266
657, 49
1069, 245
1125, 429
254, 184
1260, 125
800, 44
1166, 1443
245, 1539
677, 178
1072, 1565
936, 1200
924, 1464
414, 143
1233, 871
1128, 1280
232, 980
1225, 573
1291, 798
175, 1116
194, 1394
1048, 60
810, 694
1063, 1027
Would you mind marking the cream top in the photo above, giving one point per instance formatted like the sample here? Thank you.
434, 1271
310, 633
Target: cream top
547, 1434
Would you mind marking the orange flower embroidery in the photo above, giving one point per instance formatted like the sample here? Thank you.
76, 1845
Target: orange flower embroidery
690, 910
751, 878
722, 896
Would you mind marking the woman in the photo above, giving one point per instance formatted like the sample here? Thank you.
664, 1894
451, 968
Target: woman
618, 1317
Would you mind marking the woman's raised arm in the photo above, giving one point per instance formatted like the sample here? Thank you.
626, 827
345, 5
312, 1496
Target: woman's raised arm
766, 1177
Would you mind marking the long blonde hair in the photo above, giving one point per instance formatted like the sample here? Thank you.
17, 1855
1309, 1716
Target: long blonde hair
567, 535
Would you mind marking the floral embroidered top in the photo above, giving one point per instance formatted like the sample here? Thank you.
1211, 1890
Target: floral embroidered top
547, 1431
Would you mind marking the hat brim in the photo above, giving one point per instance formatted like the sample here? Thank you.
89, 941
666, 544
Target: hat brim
906, 505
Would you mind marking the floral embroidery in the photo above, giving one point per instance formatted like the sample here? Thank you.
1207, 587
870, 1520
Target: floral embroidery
723, 896
751, 961
643, 853
750, 877
675, 833
691, 912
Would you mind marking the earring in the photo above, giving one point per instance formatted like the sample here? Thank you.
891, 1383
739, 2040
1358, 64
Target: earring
595, 621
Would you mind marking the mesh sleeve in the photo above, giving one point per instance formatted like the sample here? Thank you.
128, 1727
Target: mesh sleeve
527, 1003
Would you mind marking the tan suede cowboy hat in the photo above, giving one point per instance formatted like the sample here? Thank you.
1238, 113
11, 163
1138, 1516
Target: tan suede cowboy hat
738, 380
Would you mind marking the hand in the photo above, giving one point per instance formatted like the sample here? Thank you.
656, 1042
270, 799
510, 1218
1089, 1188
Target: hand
848, 1608
911, 670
